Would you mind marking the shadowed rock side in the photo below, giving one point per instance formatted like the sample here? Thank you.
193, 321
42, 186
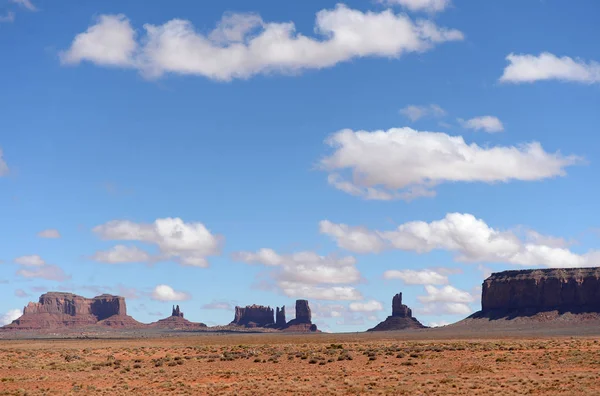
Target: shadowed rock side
280, 317
529, 293
253, 316
303, 321
177, 322
57, 310
401, 318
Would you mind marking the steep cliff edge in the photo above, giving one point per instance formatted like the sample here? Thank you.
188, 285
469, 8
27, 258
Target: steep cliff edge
56, 310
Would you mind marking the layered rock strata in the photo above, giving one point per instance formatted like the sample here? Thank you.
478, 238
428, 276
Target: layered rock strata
527, 292
253, 316
56, 310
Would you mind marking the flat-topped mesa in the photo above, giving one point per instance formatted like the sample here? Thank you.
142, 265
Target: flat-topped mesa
57, 309
177, 312
565, 290
253, 316
280, 317
401, 318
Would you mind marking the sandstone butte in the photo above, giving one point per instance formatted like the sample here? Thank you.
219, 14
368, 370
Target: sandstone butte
59, 310
511, 294
253, 316
401, 318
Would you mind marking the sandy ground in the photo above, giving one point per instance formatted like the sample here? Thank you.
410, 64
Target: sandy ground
414, 363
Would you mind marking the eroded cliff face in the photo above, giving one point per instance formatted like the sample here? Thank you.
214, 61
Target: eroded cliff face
573, 290
56, 310
253, 316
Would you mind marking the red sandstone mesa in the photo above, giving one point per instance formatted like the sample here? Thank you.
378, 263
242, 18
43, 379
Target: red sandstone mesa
57, 310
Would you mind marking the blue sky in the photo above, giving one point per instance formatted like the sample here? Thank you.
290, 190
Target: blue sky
267, 151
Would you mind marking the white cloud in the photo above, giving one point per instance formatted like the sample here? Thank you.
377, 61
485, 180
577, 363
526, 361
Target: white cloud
446, 294
25, 4
489, 124
471, 239
305, 267
48, 272
320, 310
8, 17
439, 323
356, 239
436, 309
111, 42
166, 293
332, 293
49, 233
9, 316
122, 254
224, 305
367, 306
420, 5
188, 243
402, 163
243, 45
414, 112
3, 165
530, 68
411, 277
30, 261
21, 293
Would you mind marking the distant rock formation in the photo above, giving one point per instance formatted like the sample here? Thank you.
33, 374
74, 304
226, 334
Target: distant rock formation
253, 316
401, 318
303, 320
176, 312
177, 322
280, 321
57, 310
528, 292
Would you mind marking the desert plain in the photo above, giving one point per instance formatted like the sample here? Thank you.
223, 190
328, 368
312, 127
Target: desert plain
450, 361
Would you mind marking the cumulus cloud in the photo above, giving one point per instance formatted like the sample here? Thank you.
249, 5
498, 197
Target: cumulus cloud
527, 68
446, 294
367, 306
243, 45
414, 112
25, 4
224, 305
166, 293
412, 277
110, 42
489, 124
402, 163
420, 5
9, 316
332, 293
470, 238
188, 243
3, 165
307, 274
446, 300
305, 267
30, 261
50, 233
122, 254
48, 272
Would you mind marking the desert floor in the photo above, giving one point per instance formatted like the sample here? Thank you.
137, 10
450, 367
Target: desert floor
246, 364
